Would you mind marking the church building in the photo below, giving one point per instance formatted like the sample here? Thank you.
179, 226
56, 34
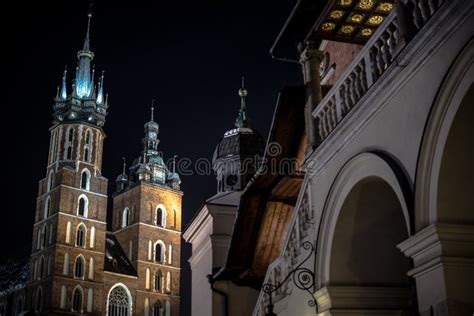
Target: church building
78, 266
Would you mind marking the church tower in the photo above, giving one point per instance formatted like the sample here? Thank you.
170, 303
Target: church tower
67, 256
147, 223
237, 155
235, 161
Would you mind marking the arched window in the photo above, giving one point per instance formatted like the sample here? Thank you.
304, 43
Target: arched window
70, 135
79, 267
83, 206
39, 300
150, 249
49, 184
158, 281
81, 236
174, 219
50, 238
170, 253
147, 279
90, 299
125, 217
168, 308
38, 238
85, 179
41, 268
146, 307
69, 152
66, 264
159, 252
68, 232
44, 236
19, 306
63, 297
168, 282
35, 269
157, 309
119, 301
68, 143
47, 208
77, 300
88, 146
48, 269
160, 218
91, 268
92, 238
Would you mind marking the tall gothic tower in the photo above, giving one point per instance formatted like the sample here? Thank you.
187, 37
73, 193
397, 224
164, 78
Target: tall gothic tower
67, 256
147, 223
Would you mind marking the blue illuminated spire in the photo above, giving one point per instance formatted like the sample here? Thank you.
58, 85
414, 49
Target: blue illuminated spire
84, 85
100, 93
63, 94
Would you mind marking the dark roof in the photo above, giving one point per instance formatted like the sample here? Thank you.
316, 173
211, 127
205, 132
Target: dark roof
297, 28
240, 141
115, 259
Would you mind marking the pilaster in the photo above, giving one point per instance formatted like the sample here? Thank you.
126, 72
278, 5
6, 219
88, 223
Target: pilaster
443, 267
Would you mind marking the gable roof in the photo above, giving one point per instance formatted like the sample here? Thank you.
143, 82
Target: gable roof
115, 259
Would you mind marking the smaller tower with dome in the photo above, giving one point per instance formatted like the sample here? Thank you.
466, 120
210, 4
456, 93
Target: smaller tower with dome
238, 153
146, 221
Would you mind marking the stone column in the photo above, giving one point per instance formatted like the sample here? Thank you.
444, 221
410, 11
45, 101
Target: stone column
443, 267
310, 60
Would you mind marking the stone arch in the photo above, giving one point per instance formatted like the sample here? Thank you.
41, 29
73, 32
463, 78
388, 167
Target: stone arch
448, 118
364, 169
85, 179
162, 252
160, 216
364, 218
119, 287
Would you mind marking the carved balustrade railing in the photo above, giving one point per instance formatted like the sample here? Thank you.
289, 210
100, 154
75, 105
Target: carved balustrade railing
371, 63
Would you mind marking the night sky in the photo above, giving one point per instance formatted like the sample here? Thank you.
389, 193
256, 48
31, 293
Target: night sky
189, 55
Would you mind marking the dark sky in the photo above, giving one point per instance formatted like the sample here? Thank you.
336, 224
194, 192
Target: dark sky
189, 55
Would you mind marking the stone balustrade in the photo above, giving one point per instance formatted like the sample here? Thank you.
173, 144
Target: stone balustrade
371, 63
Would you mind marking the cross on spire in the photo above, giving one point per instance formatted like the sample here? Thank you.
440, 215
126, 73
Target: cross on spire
124, 165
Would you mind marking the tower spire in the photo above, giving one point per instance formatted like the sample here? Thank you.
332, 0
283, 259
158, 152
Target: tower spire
100, 92
242, 120
124, 165
174, 164
152, 110
63, 94
84, 85
86, 40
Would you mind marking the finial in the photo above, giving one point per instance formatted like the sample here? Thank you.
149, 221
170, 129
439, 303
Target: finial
63, 87
242, 90
124, 165
174, 163
152, 109
100, 93
242, 120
